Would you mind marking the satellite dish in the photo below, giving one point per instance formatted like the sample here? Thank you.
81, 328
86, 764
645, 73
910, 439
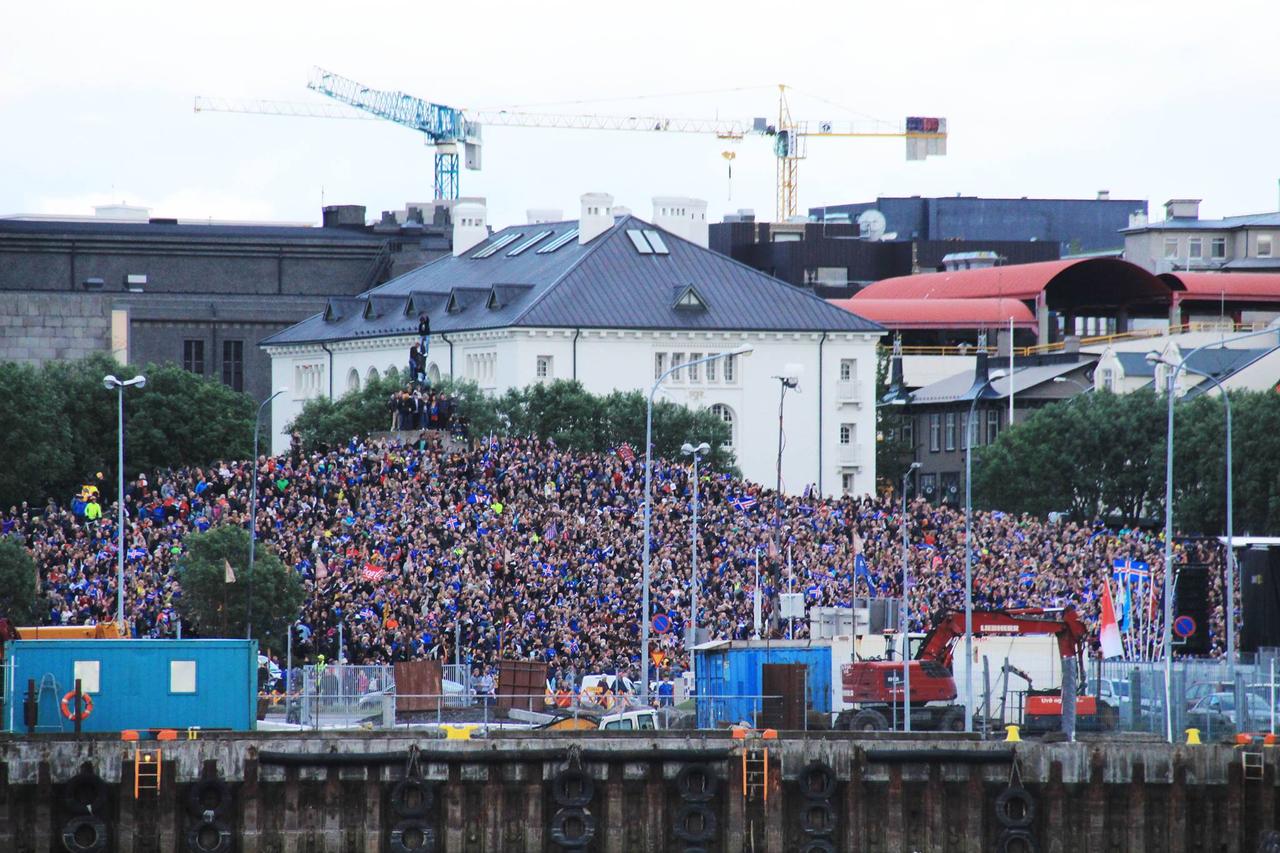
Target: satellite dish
871, 224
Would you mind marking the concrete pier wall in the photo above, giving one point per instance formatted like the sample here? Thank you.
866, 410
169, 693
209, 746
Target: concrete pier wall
338, 794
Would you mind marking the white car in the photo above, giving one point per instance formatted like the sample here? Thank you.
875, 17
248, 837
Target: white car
1218, 708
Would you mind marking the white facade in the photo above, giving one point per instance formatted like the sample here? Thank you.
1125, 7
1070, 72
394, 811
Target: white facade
829, 424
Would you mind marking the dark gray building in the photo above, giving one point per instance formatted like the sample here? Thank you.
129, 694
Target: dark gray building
834, 260
199, 295
1075, 226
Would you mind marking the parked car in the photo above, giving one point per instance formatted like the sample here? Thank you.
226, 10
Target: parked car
1200, 689
1217, 713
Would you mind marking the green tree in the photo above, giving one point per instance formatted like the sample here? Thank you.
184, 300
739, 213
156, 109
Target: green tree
220, 609
38, 453
19, 597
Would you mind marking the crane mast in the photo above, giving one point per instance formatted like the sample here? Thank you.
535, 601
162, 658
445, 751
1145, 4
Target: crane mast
456, 133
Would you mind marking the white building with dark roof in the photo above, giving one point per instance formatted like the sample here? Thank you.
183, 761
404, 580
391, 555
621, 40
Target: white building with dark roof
612, 301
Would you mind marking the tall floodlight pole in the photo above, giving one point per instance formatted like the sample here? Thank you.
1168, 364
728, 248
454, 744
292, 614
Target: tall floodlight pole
253, 515
696, 451
743, 349
118, 385
904, 612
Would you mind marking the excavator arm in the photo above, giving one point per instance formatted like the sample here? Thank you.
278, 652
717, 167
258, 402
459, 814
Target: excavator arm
939, 644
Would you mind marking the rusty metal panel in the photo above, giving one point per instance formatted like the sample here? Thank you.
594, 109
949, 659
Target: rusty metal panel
419, 684
785, 682
521, 684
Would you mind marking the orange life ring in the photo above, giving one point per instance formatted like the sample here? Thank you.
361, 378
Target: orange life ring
85, 699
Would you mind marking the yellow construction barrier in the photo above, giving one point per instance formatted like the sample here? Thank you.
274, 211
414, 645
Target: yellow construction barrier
1193, 737
1012, 735
452, 732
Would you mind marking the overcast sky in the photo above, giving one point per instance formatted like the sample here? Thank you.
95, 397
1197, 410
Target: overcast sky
1147, 99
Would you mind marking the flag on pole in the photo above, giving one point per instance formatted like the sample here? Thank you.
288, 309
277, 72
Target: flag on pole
1109, 630
742, 503
230, 575
626, 452
757, 603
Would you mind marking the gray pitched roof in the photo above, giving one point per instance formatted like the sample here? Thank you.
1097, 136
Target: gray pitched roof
606, 283
1227, 223
957, 387
1135, 364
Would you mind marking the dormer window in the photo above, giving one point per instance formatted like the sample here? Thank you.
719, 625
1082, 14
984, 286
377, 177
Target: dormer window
688, 299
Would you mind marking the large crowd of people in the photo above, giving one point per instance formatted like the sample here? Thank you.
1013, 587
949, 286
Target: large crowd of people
520, 549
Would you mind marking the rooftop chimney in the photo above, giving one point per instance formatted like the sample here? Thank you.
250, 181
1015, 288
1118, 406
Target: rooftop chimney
343, 216
1104, 195
539, 215
596, 217
682, 216
469, 227
1138, 219
1182, 208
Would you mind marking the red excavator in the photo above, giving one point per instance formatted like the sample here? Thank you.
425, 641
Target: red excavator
874, 687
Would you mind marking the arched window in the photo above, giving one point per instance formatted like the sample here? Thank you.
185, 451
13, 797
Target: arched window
372, 375
724, 413
353, 380
433, 373
393, 374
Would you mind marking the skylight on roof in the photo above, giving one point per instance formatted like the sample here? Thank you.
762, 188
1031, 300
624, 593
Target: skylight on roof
497, 244
655, 240
638, 240
527, 243
558, 242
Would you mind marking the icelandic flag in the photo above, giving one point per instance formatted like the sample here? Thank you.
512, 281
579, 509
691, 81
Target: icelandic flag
860, 569
743, 502
1108, 629
1131, 571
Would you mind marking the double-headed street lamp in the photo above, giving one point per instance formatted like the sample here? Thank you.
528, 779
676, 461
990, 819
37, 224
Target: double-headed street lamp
743, 349
110, 383
253, 514
1171, 380
904, 612
696, 452
982, 391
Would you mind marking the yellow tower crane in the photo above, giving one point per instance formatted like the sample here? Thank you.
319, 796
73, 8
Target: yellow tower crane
445, 127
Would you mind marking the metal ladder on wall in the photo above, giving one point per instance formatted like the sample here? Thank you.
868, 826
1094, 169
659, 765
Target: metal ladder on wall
146, 771
755, 780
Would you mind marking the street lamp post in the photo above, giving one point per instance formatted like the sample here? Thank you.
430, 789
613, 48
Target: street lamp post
253, 514
696, 452
1170, 386
904, 612
743, 349
979, 394
111, 382
1062, 380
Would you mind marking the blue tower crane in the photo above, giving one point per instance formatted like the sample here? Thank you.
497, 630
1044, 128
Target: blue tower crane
445, 127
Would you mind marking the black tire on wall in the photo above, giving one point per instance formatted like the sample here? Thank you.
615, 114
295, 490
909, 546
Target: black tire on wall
572, 828
85, 794
209, 836
413, 835
817, 781
572, 788
1015, 808
411, 798
84, 834
1016, 841
819, 845
697, 783
695, 823
817, 817
208, 795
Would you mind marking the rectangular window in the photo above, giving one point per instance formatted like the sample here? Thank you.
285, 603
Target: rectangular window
1109, 379
677, 359
847, 483
193, 356
909, 432
659, 364
730, 368
846, 434
951, 431
1264, 245
1218, 247
543, 369
233, 364
87, 671
693, 368
848, 369
182, 676
928, 485
935, 433
711, 370
1170, 248
993, 426
1195, 247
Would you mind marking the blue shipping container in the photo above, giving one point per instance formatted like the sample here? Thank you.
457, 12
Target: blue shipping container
136, 684
729, 680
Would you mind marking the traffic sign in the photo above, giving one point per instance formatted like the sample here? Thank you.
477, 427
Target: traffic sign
1184, 626
662, 623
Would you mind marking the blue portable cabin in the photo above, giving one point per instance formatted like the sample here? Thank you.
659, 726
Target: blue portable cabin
135, 684
729, 677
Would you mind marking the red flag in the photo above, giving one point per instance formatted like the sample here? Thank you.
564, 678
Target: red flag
626, 453
1109, 628
373, 573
